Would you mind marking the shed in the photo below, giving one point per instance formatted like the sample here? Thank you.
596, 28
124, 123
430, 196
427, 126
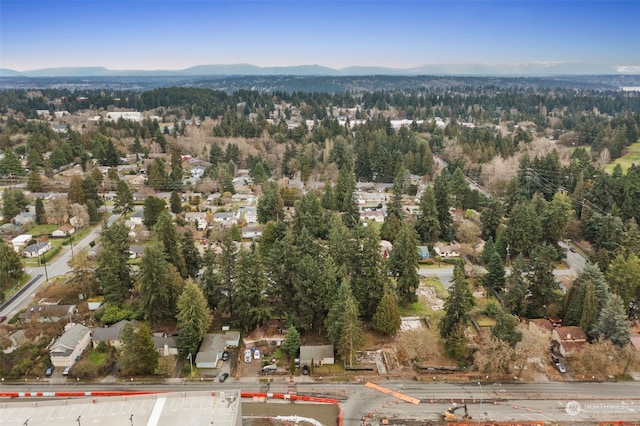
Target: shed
322, 354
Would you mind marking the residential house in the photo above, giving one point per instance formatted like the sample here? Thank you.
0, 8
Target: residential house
210, 351
372, 215
137, 217
47, 313
252, 231
68, 348
199, 218
225, 218
136, 251
447, 250
37, 249
423, 252
249, 213
110, 336
319, 355
20, 241
165, 345
63, 231
568, 339
59, 128
25, 218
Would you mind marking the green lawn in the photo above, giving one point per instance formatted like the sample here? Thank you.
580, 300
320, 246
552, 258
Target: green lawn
96, 358
632, 156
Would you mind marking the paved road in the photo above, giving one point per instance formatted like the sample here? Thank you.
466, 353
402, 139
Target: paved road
500, 401
57, 267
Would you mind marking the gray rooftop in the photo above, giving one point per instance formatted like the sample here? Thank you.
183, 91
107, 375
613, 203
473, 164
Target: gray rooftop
105, 334
69, 340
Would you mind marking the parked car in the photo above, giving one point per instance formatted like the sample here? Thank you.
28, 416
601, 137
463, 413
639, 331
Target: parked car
256, 354
247, 356
572, 250
554, 358
66, 371
223, 377
306, 370
271, 368
225, 356
560, 367
3, 318
49, 371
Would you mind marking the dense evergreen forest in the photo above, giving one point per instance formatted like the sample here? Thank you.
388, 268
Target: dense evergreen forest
321, 264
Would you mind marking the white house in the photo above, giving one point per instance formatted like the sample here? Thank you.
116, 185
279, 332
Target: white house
447, 250
224, 218
125, 115
70, 345
20, 241
251, 231
199, 218
37, 249
372, 215
63, 231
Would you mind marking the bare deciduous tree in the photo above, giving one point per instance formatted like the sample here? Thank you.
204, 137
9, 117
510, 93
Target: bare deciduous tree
80, 213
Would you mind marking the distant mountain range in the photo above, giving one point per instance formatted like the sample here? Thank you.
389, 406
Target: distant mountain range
531, 69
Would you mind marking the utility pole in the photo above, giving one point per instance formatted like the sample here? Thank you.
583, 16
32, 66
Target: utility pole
44, 258
190, 358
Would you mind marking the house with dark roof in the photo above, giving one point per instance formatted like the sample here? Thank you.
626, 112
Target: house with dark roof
36, 249
568, 339
110, 335
68, 348
47, 313
319, 355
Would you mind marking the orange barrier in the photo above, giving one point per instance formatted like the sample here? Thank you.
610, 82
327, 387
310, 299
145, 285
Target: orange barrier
398, 395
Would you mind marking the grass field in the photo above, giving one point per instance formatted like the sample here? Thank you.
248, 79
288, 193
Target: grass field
631, 156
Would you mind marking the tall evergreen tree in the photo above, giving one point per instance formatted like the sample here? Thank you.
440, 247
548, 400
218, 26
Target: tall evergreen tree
34, 183
41, 213
251, 304
159, 284
458, 304
443, 203
190, 254
292, 342
542, 283
404, 264
505, 329
352, 337
369, 282
153, 206
516, 299
270, 205
495, 279
623, 276
589, 308
124, 198
387, 319
491, 217
459, 188
166, 232
344, 199
612, 322
11, 268
76, 192
112, 269
210, 281
138, 356
427, 224
227, 260
175, 203
334, 320
193, 318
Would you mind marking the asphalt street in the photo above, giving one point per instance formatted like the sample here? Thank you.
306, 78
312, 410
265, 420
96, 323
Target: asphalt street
56, 268
571, 402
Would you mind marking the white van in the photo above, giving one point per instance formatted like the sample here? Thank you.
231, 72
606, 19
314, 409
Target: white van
247, 356
66, 371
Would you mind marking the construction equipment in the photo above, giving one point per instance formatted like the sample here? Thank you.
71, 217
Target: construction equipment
450, 413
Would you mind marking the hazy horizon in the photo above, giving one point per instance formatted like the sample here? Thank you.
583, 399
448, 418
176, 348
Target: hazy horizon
175, 35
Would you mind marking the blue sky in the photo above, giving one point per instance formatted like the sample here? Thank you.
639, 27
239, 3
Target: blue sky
148, 34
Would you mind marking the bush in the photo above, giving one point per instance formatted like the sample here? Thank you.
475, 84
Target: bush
492, 309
